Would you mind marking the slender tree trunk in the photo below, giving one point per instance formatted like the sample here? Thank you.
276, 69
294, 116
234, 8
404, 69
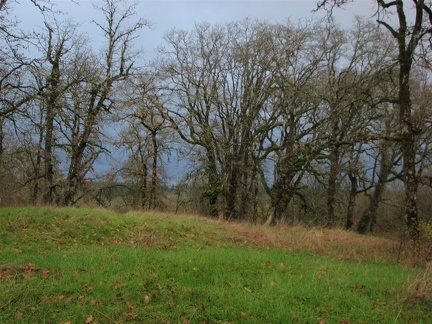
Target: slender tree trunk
48, 159
1, 141
332, 186
143, 186
54, 56
2, 169
255, 201
154, 183
37, 170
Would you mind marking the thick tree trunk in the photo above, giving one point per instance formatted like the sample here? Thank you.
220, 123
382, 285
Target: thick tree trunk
351, 200
408, 148
72, 182
76, 169
80, 142
214, 185
368, 219
283, 197
231, 195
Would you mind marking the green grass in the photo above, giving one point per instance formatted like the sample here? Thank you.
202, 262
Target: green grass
93, 266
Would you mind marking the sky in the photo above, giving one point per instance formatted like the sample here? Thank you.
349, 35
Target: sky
165, 15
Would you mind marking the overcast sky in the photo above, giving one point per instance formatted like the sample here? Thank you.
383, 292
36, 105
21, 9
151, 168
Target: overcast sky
165, 15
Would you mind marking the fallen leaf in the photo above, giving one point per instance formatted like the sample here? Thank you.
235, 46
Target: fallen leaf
248, 288
130, 306
45, 273
89, 320
19, 314
44, 299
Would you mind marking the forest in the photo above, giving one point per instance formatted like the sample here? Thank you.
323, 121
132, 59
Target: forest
295, 122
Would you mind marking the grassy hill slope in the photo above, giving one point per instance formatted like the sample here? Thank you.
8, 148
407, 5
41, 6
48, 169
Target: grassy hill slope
93, 266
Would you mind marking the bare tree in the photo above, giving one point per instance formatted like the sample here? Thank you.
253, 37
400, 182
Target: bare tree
53, 74
93, 96
221, 80
294, 134
410, 37
15, 90
356, 63
145, 137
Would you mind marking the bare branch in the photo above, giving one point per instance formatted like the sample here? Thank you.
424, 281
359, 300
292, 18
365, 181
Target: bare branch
2, 4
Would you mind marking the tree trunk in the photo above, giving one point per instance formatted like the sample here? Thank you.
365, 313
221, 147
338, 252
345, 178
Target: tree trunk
368, 219
351, 200
214, 185
282, 202
143, 186
231, 195
76, 168
154, 181
54, 56
72, 182
37, 170
332, 186
2, 167
49, 169
408, 148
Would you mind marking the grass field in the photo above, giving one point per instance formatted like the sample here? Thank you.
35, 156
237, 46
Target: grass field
94, 266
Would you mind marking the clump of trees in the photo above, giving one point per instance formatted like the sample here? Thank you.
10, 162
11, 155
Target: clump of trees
273, 122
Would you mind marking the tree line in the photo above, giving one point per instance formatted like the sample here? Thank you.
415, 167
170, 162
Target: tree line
259, 113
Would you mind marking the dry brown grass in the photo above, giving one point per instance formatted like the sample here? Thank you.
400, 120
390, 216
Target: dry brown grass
420, 288
337, 243
417, 291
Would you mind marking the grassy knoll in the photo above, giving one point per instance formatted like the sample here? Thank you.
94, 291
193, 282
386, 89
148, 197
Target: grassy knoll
94, 266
